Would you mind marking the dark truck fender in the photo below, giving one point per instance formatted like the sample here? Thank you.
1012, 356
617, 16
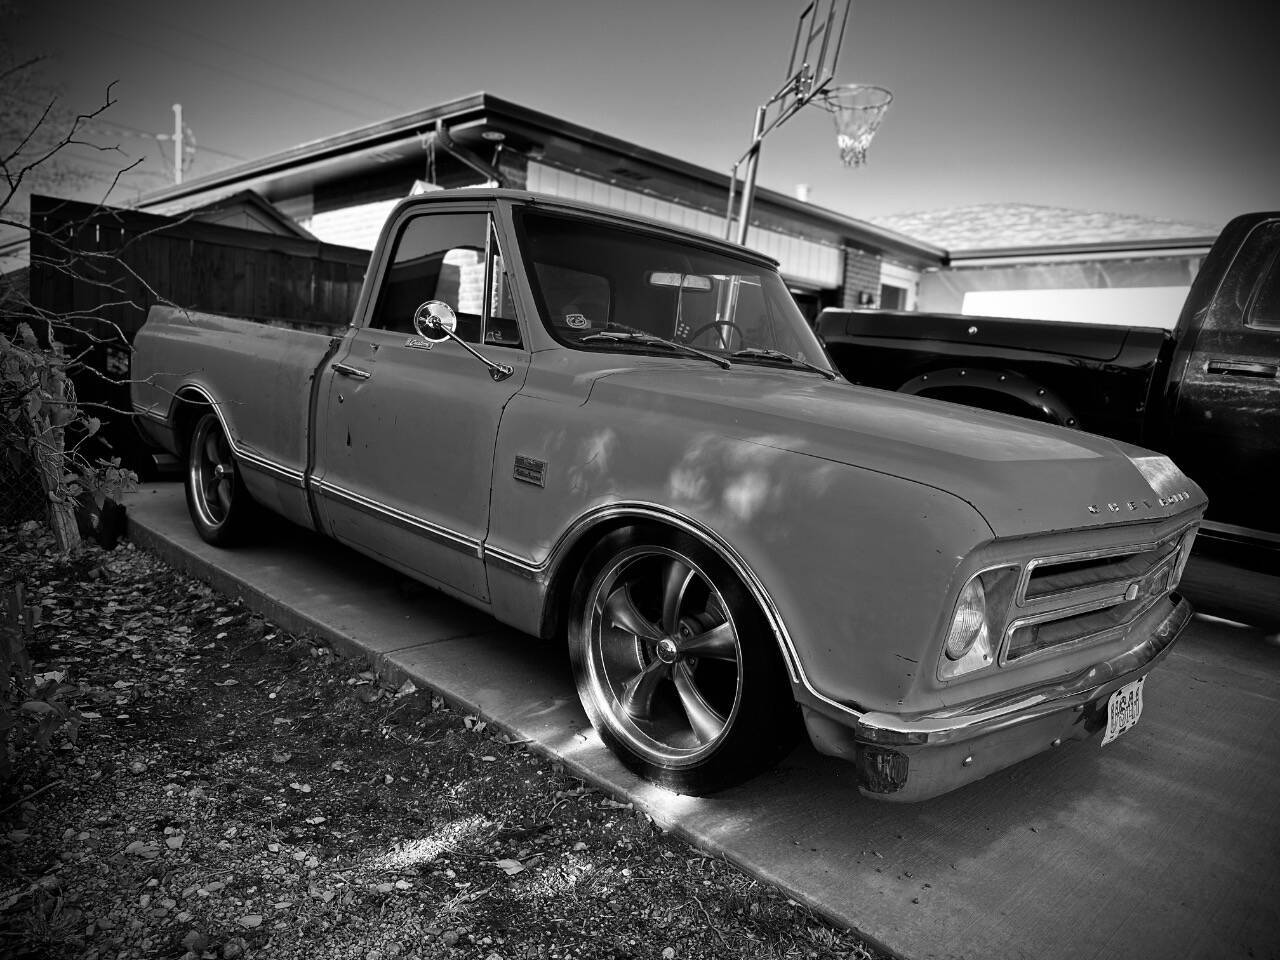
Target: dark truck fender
1009, 392
1093, 377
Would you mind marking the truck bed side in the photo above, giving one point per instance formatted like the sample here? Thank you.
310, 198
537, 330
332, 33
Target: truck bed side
256, 377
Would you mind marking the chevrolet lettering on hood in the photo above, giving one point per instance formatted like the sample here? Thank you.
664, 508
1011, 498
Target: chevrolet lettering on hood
1132, 505
1169, 484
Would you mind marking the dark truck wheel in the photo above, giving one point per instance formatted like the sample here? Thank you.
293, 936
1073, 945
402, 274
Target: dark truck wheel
216, 496
675, 664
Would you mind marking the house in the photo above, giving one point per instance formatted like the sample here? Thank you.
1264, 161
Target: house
1052, 263
339, 189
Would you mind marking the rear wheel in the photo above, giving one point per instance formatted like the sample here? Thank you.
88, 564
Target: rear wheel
675, 664
216, 498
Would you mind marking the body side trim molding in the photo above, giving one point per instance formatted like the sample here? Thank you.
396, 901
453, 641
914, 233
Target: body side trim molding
432, 531
257, 461
151, 413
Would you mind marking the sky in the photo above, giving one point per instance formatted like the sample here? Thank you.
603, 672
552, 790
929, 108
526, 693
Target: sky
1153, 107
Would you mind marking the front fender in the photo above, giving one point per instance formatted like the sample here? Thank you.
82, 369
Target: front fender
856, 565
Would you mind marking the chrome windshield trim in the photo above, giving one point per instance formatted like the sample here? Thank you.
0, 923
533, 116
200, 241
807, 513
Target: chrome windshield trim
1003, 712
432, 531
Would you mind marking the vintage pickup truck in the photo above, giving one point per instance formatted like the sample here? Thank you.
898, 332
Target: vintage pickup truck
598, 427
1207, 392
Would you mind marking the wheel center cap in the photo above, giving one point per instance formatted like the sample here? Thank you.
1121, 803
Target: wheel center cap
667, 651
219, 471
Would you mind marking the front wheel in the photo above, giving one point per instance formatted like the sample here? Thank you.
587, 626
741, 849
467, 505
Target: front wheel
216, 497
675, 664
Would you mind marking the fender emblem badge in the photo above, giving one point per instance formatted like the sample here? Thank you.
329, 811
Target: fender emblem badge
531, 470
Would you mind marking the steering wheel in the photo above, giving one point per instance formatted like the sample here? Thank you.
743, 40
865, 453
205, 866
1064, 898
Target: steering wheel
716, 325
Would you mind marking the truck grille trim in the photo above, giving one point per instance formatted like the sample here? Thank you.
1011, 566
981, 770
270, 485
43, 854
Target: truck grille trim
1069, 600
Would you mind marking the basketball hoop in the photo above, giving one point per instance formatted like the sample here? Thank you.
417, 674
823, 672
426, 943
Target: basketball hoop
857, 109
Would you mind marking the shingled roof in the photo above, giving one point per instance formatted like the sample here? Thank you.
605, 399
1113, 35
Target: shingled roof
1006, 225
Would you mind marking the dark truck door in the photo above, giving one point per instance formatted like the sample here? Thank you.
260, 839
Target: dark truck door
1226, 422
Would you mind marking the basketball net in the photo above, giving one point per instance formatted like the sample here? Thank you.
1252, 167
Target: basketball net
857, 110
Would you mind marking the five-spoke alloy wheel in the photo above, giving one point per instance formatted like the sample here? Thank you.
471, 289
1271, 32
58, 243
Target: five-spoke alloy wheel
675, 664
216, 496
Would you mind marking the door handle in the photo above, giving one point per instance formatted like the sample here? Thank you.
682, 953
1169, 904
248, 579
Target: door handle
1236, 368
349, 371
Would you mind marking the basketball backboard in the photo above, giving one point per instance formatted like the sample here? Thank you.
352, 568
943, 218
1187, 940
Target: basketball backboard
815, 52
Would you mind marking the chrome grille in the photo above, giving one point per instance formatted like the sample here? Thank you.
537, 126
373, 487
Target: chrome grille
1068, 600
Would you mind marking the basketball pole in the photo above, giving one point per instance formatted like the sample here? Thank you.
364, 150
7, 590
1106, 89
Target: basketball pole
749, 179
814, 53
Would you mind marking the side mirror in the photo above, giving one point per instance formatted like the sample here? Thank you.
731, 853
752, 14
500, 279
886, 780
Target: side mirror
435, 321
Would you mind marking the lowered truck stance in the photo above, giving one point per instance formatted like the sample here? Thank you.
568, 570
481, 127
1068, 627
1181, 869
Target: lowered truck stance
1206, 393
598, 427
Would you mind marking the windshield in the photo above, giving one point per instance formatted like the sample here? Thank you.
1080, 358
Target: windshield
591, 278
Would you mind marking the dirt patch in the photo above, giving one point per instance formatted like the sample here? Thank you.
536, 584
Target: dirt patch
237, 790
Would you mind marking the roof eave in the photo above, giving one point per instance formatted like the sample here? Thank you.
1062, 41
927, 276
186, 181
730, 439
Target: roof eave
486, 106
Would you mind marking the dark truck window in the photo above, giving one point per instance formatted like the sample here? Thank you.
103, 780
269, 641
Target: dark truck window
1264, 307
438, 256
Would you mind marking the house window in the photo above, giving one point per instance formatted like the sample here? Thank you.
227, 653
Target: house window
892, 297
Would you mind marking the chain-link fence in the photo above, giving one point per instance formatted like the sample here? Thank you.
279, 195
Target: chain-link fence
21, 496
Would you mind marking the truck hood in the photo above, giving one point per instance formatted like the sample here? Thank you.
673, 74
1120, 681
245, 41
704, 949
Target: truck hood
1022, 477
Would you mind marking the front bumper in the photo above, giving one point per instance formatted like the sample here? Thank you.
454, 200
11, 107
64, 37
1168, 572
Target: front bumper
909, 758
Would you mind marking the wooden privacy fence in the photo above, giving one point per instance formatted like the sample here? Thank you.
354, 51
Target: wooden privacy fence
126, 260
200, 266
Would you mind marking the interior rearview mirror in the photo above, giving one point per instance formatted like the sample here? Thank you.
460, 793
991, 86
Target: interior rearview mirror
689, 281
434, 321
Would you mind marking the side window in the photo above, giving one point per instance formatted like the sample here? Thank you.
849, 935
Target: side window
437, 256
1264, 306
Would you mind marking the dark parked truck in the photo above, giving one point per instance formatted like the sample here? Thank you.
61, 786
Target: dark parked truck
1206, 392
599, 428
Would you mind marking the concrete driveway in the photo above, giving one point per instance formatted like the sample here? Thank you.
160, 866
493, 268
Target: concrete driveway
1163, 844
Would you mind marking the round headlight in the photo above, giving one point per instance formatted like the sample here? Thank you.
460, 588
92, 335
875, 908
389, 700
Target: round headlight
967, 624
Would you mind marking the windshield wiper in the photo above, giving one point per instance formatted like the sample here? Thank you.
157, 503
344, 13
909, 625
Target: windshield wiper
763, 353
636, 336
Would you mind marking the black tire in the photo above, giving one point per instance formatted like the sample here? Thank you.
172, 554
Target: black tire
675, 664
217, 500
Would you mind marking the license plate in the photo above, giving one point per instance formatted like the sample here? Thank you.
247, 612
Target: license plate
1123, 710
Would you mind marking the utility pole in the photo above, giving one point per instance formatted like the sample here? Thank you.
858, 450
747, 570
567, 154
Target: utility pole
177, 143
178, 139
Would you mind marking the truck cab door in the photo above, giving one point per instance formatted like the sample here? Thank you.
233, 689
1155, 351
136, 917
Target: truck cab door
1226, 422
406, 429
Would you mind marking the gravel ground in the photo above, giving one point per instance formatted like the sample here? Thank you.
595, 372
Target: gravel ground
238, 791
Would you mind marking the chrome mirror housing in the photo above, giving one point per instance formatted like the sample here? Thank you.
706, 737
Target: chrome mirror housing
435, 321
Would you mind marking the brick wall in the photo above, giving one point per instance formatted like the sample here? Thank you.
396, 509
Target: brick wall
861, 274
